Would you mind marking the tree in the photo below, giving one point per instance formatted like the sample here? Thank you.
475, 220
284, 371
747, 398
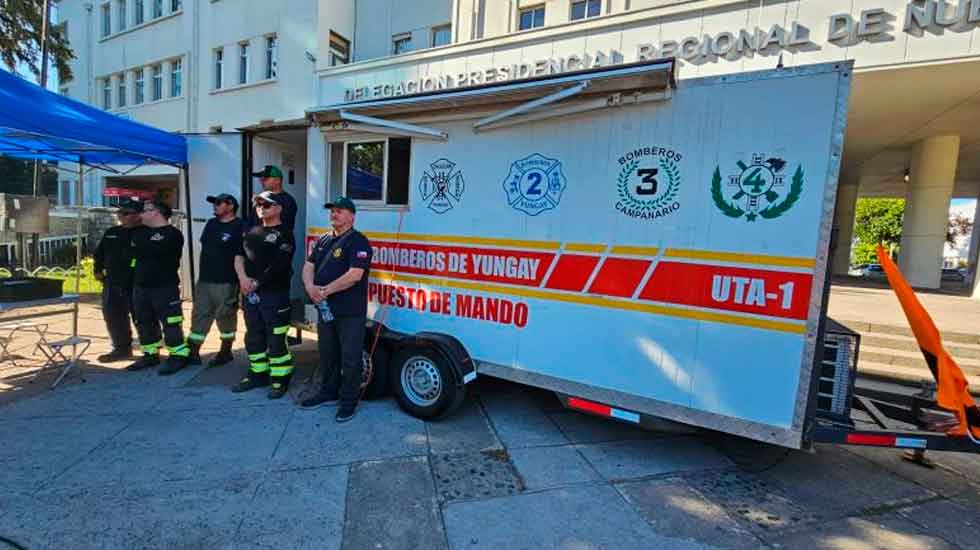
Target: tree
959, 226
20, 39
877, 221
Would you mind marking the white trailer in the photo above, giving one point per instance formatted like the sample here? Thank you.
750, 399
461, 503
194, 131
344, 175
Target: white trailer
644, 249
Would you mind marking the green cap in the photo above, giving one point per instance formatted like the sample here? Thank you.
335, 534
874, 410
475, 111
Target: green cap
342, 202
270, 171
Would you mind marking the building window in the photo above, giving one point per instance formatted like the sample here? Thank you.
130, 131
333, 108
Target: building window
271, 56
106, 19
586, 8
107, 93
377, 171
121, 90
219, 59
175, 83
243, 63
531, 18
157, 8
175, 5
339, 50
138, 12
121, 13
64, 91
139, 86
157, 82
442, 35
401, 43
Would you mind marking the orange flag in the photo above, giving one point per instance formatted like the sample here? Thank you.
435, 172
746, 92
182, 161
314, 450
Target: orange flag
951, 385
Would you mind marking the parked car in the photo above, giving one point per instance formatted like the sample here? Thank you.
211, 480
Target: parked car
954, 275
871, 271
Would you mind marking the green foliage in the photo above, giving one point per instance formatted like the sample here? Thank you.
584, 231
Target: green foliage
87, 283
877, 221
20, 39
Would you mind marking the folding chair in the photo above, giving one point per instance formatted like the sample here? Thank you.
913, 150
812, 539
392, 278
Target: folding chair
54, 353
11, 329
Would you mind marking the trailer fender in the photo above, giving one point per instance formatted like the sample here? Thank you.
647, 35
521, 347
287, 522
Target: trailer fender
459, 359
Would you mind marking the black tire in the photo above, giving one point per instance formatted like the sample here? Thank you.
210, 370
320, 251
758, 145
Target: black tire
433, 372
378, 386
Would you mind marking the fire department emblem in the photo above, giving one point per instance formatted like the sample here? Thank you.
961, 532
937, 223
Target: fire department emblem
757, 190
535, 184
442, 186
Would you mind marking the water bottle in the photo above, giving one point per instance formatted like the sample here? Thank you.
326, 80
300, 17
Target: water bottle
325, 314
253, 298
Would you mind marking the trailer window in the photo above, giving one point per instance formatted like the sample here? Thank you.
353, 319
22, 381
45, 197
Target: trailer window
378, 171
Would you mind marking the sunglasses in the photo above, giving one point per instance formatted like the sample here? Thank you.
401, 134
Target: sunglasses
265, 205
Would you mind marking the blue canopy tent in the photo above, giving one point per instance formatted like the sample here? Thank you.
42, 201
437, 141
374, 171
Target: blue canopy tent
38, 124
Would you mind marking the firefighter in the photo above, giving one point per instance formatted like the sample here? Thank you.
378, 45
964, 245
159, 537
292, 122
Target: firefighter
264, 268
157, 247
216, 293
337, 273
114, 267
271, 177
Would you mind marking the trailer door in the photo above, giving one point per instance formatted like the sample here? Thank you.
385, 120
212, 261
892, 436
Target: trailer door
214, 166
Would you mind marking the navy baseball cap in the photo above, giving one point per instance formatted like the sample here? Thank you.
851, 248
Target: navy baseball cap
130, 204
223, 197
342, 202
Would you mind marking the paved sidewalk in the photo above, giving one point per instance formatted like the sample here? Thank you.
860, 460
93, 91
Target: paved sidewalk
135, 460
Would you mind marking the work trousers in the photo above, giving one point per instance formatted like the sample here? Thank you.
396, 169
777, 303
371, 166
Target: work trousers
156, 307
214, 302
117, 310
341, 343
266, 327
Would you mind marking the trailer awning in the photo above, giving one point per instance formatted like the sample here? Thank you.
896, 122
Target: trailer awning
511, 102
38, 124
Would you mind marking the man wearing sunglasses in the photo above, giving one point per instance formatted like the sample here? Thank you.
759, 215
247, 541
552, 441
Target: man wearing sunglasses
114, 267
271, 178
264, 268
216, 293
157, 247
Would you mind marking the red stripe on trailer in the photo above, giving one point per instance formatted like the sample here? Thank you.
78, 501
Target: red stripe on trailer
871, 439
572, 272
589, 406
619, 277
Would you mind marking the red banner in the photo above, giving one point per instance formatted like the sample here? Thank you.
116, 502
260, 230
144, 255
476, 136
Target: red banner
516, 267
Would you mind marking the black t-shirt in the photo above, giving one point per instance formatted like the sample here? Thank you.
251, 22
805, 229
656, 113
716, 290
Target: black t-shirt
157, 251
268, 253
288, 215
353, 250
220, 243
115, 256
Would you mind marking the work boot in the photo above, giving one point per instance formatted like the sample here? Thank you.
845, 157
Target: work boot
251, 381
346, 411
174, 364
280, 386
194, 357
224, 356
144, 362
324, 396
117, 354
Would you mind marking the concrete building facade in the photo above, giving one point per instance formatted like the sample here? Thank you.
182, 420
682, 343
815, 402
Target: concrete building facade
914, 117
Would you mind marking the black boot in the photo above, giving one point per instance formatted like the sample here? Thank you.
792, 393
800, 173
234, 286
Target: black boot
224, 356
251, 381
194, 357
144, 362
174, 364
117, 354
280, 386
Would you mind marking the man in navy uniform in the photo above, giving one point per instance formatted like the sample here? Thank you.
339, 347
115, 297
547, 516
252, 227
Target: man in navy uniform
264, 268
114, 267
337, 272
271, 177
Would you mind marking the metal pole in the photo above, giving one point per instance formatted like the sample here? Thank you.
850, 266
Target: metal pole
78, 245
35, 255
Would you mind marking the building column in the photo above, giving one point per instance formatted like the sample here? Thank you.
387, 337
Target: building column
932, 173
973, 269
844, 224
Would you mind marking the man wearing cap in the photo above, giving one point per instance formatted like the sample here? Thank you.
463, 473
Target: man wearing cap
264, 267
337, 272
114, 267
271, 177
216, 293
157, 247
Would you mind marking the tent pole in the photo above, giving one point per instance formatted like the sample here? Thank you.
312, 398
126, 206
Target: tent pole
78, 244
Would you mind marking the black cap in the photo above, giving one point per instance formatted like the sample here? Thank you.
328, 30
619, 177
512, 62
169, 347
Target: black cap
270, 171
265, 196
130, 204
223, 197
342, 202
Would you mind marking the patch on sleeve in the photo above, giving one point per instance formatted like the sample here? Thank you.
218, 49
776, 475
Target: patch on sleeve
362, 254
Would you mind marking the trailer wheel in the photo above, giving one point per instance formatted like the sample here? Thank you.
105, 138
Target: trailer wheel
377, 364
423, 383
